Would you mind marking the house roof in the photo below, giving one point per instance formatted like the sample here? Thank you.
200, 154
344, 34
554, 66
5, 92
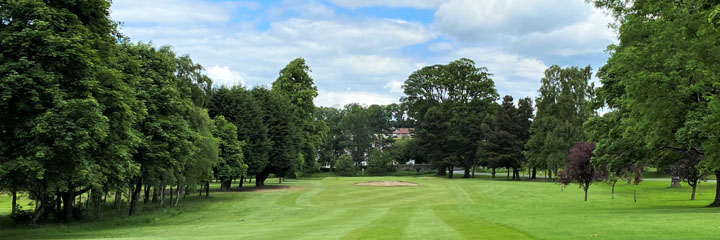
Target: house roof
403, 130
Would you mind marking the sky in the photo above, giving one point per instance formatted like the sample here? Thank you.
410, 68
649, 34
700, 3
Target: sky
363, 50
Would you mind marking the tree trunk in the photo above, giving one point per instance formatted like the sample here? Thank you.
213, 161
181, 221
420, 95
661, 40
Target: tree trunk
467, 173
451, 172
441, 171
508, 173
39, 209
260, 179
613, 189
550, 174
14, 202
493, 173
171, 194
58, 202
207, 189
155, 194
179, 191
675, 182
585, 194
135, 195
534, 173
473, 171
118, 199
716, 203
692, 197
242, 179
146, 197
162, 193
68, 200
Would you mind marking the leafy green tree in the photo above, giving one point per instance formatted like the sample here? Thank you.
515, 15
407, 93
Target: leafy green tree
358, 132
465, 93
562, 108
167, 138
65, 111
239, 107
432, 140
295, 83
283, 134
231, 165
379, 162
502, 146
346, 166
666, 64
332, 146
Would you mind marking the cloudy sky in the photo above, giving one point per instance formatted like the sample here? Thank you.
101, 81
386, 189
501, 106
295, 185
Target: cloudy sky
362, 50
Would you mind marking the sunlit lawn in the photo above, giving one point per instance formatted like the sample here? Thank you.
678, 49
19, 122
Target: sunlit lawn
481, 208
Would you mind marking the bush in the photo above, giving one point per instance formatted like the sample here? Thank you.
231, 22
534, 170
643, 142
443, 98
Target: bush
379, 163
22, 216
345, 166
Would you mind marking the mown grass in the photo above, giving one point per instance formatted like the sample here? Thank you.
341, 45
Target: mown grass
330, 207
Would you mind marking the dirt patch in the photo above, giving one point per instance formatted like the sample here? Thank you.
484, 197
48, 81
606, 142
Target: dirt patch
387, 184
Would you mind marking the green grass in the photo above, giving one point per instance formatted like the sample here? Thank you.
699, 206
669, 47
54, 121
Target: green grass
334, 208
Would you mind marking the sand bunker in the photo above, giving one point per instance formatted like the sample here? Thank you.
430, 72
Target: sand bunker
387, 184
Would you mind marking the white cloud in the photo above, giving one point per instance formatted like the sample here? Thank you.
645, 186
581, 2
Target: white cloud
513, 74
420, 4
174, 11
470, 19
395, 86
342, 98
223, 76
304, 9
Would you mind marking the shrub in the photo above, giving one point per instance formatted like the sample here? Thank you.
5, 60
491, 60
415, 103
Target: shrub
345, 166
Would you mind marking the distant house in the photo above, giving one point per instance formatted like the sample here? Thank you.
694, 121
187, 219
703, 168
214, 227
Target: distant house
403, 133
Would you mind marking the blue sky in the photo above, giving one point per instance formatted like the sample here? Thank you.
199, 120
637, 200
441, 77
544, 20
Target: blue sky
362, 50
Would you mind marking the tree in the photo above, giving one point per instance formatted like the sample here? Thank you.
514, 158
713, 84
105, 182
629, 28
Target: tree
239, 107
231, 165
66, 109
283, 134
295, 83
524, 121
502, 146
432, 139
167, 137
562, 108
667, 63
379, 162
465, 93
346, 166
579, 168
359, 135
332, 146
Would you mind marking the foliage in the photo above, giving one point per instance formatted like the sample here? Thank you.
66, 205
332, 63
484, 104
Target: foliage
465, 93
562, 107
379, 163
345, 166
579, 168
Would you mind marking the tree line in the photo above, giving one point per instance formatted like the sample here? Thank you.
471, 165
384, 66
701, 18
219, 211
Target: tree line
86, 112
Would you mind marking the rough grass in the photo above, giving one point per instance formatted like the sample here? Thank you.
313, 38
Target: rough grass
481, 208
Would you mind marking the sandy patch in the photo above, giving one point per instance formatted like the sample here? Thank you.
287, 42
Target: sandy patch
387, 184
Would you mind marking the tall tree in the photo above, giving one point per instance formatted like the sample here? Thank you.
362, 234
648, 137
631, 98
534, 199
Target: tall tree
562, 108
239, 107
283, 134
667, 63
295, 83
231, 165
464, 91
66, 110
